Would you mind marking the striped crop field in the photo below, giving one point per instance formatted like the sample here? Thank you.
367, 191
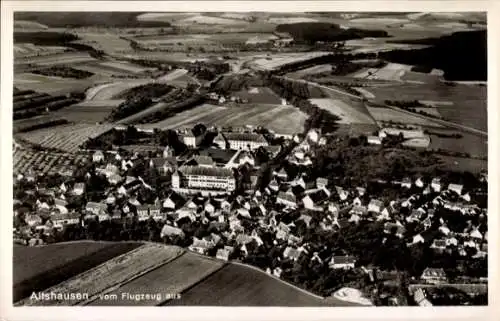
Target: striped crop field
111, 90
112, 273
37, 268
67, 138
173, 277
88, 111
282, 119
25, 161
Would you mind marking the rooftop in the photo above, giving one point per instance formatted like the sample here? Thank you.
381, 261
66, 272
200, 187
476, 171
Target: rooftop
206, 171
247, 137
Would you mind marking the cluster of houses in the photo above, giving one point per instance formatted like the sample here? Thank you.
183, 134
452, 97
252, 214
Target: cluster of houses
201, 188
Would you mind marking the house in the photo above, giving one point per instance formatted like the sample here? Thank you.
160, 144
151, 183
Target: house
438, 245
224, 253
60, 205
419, 182
287, 198
358, 210
436, 184
96, 208
417, 239
79, 189
202, 161
277, 272
406, 182
457, 188
321, 182
342, 262
98, 157
397, 228
62, 220
375, 206
114, 179
374, 140
475, 234
33, 220
195, 136
173, 201
433, 276
333, 208
313, 201
343, 194
241, 140
356, 201
169, 230
420, 298
168, 152
200, 246
281, 174
305, 218
291, 253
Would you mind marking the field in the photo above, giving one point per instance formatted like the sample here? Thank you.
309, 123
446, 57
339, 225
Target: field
67, 138
237, 285
57, 59
290, 20
469, 102
388, 115
25, 161
463, 164
391, 71
173, 277
54, 85
24, 124
259, 95
317, 69
23, 50
37, 268
470, 143
347, 113
278, 60
282, 119
28, 25
114, 272
109, 42
110, 90
88, 111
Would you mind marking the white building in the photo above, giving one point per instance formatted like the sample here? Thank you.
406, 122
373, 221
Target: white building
237, 140
204, 178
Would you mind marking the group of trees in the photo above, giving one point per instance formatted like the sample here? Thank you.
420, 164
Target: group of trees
63, 71
312, 32
129, 107
30, 105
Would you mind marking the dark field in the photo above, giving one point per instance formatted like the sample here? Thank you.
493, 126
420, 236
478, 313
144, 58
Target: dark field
463, 164
469, 102
173, 277
38, 268
236, 285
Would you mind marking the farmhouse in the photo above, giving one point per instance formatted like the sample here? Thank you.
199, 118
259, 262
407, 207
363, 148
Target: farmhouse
375, 206
98, 157
223, 254
374, 140
169, 230
342, 262
457, 188
236, 140
61, 220
79, 189
433, 276
194, 136
287, 198
173, 201
96, 208
313, 201
204, 178
291, 253
201, 161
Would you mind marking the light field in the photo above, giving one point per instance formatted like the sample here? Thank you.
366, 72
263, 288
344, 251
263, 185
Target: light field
388, 114
282, 119
66, 138
111, 90
347, 113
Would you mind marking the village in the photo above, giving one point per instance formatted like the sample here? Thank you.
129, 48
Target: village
216, 201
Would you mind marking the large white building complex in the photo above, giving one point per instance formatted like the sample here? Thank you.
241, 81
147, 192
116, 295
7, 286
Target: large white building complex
193, 179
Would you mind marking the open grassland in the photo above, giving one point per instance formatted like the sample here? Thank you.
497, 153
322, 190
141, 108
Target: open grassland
385, 115
111, 90
282, 119
54, 85
107, 41
317, 69
48, 163
468, 102
38, 268
124, 66
346, 112
463, 164
263, 62
173, 277
66, 138
114, 272
238, 285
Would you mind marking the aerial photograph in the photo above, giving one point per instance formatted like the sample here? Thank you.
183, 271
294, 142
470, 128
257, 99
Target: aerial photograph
260, 159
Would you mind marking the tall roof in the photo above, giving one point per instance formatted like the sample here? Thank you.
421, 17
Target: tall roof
250, 137
206, 171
